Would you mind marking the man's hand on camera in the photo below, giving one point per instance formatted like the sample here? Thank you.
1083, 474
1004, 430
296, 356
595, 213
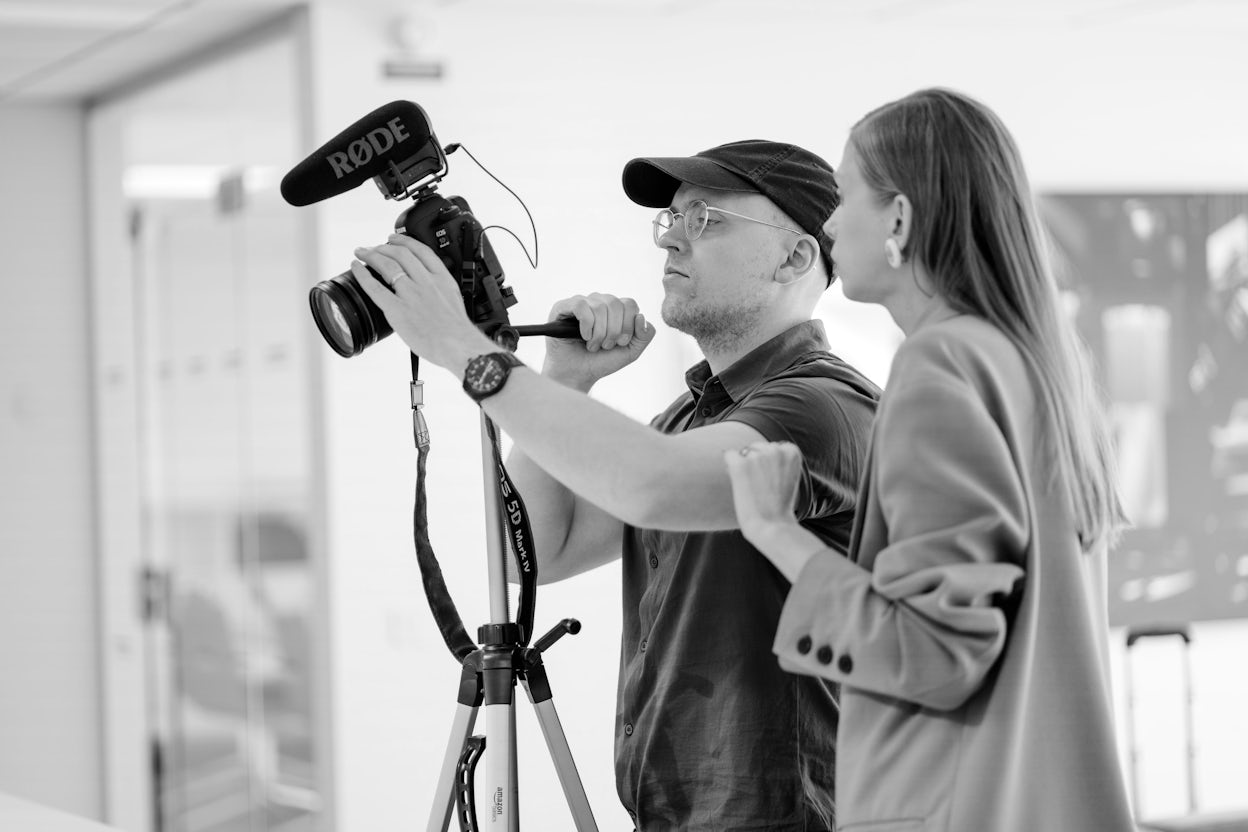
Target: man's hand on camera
425, 307
615, 333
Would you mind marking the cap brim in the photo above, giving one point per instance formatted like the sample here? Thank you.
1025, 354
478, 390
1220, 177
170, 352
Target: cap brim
653, 182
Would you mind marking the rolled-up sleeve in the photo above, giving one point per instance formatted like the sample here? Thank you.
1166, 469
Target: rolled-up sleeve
926, 623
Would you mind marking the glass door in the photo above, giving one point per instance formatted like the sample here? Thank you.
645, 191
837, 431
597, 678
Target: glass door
224, 437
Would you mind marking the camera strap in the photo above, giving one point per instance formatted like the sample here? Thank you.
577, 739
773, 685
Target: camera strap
444, 613
440, 603
519, 538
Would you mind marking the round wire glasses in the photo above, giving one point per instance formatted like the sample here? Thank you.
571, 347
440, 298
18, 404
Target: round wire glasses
696, 216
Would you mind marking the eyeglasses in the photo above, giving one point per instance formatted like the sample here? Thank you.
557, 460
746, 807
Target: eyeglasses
696, 217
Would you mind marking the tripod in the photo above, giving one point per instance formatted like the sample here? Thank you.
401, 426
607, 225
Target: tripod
489, 677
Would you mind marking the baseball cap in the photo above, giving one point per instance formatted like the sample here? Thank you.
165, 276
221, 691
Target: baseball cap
799, 182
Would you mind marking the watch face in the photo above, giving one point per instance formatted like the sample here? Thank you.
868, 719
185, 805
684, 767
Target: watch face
483, 375
486, 374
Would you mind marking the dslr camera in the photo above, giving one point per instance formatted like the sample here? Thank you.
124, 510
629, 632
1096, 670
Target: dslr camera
395, 146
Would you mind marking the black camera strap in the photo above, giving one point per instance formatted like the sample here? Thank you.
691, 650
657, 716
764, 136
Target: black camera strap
440, 603
519, 538
444, 613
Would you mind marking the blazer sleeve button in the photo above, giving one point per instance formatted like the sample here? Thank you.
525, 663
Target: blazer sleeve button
804, 645
845, 664
824, 655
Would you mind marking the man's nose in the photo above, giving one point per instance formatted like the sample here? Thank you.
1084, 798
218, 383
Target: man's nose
674, 238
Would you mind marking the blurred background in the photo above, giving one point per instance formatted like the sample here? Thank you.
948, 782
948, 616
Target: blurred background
211, 616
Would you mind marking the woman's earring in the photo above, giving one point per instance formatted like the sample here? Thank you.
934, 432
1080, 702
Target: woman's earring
892, 253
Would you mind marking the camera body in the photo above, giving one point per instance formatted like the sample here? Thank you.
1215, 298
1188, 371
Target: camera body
447, 225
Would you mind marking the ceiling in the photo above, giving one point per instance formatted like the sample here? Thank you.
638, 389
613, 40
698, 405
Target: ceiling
77, 49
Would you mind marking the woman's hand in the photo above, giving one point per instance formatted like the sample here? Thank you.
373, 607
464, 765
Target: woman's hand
765, 478
764, 483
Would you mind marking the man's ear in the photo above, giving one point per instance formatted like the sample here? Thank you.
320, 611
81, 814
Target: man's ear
801, 260
901, 222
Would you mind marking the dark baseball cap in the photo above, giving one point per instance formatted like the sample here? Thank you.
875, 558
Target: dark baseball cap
796, 180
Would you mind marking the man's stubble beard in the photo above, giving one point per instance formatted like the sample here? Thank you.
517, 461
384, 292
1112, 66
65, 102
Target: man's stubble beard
715, 328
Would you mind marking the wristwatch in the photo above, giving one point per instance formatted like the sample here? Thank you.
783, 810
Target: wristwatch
486, 374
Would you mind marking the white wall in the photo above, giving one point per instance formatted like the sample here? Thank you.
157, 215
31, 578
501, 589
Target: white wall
49, 688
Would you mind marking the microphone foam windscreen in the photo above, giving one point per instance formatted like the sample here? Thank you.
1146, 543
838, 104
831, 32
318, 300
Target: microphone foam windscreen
391, 132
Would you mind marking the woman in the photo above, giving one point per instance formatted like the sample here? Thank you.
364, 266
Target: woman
967, 624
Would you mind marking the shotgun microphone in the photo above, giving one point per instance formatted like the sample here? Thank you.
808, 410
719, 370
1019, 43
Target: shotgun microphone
393, 144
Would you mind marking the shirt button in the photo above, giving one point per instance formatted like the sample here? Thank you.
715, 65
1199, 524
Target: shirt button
824, 655
628, 729
803, 645
643, 645
845, 664
706, 411
654, 562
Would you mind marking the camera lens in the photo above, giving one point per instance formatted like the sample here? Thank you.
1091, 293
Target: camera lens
347, 318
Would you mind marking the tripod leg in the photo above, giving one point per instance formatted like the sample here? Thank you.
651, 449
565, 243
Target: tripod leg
513, 774
560, 753
444, 797
500, 770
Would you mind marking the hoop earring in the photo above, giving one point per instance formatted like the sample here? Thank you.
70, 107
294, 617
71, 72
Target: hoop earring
892, 253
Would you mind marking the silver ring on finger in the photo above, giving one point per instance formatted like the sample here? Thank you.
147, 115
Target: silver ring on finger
397, 277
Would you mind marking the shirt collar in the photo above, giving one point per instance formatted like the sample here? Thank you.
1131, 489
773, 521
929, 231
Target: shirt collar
761, 363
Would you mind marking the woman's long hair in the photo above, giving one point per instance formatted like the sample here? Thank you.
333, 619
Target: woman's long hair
976, 232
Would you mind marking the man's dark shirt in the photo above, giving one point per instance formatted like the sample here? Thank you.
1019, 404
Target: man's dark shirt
710, 733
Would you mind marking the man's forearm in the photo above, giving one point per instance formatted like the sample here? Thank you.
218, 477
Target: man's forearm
596, 452
593, 450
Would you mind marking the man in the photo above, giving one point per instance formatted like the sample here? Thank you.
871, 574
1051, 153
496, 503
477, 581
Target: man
710, 733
